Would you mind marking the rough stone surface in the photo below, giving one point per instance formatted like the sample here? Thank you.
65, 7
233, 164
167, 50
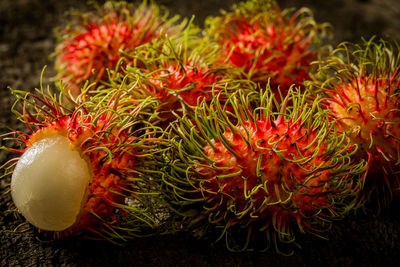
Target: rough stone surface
26, 41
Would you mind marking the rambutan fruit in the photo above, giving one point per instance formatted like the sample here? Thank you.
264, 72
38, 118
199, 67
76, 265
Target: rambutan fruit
361, 85
176, 73
80, 167
268, 173
264, 43
93, 42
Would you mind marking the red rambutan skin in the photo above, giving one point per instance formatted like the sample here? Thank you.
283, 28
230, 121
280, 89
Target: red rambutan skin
369, 109
364, 101
92, 44
291, 67
177, 72
261, 172
190, 83
272, 190
266, 44
175, 86
96, 50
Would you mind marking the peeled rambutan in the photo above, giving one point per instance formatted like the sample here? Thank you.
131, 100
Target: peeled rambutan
361, 85
261, 171
264, 43
94, 41
79, 168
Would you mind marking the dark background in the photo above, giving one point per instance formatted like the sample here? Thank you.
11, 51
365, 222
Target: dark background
26, 41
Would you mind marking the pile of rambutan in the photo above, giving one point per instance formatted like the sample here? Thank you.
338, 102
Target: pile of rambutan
248, 129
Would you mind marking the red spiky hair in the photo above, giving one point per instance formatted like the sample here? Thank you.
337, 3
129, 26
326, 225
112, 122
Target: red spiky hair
175, 72
265, 43
363, 94
93, 42
263, 172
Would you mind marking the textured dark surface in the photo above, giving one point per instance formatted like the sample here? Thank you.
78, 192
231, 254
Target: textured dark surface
26, 41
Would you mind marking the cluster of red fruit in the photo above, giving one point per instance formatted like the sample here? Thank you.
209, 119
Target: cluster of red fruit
249, 125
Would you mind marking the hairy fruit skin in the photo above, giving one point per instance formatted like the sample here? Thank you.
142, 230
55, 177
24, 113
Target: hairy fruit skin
263, 172
192, 84
364, 102
276, 187
179, 86
94, 42
372, 115
176, 73
265, 43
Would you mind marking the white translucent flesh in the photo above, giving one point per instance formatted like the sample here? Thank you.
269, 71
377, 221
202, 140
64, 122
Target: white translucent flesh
49, 183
